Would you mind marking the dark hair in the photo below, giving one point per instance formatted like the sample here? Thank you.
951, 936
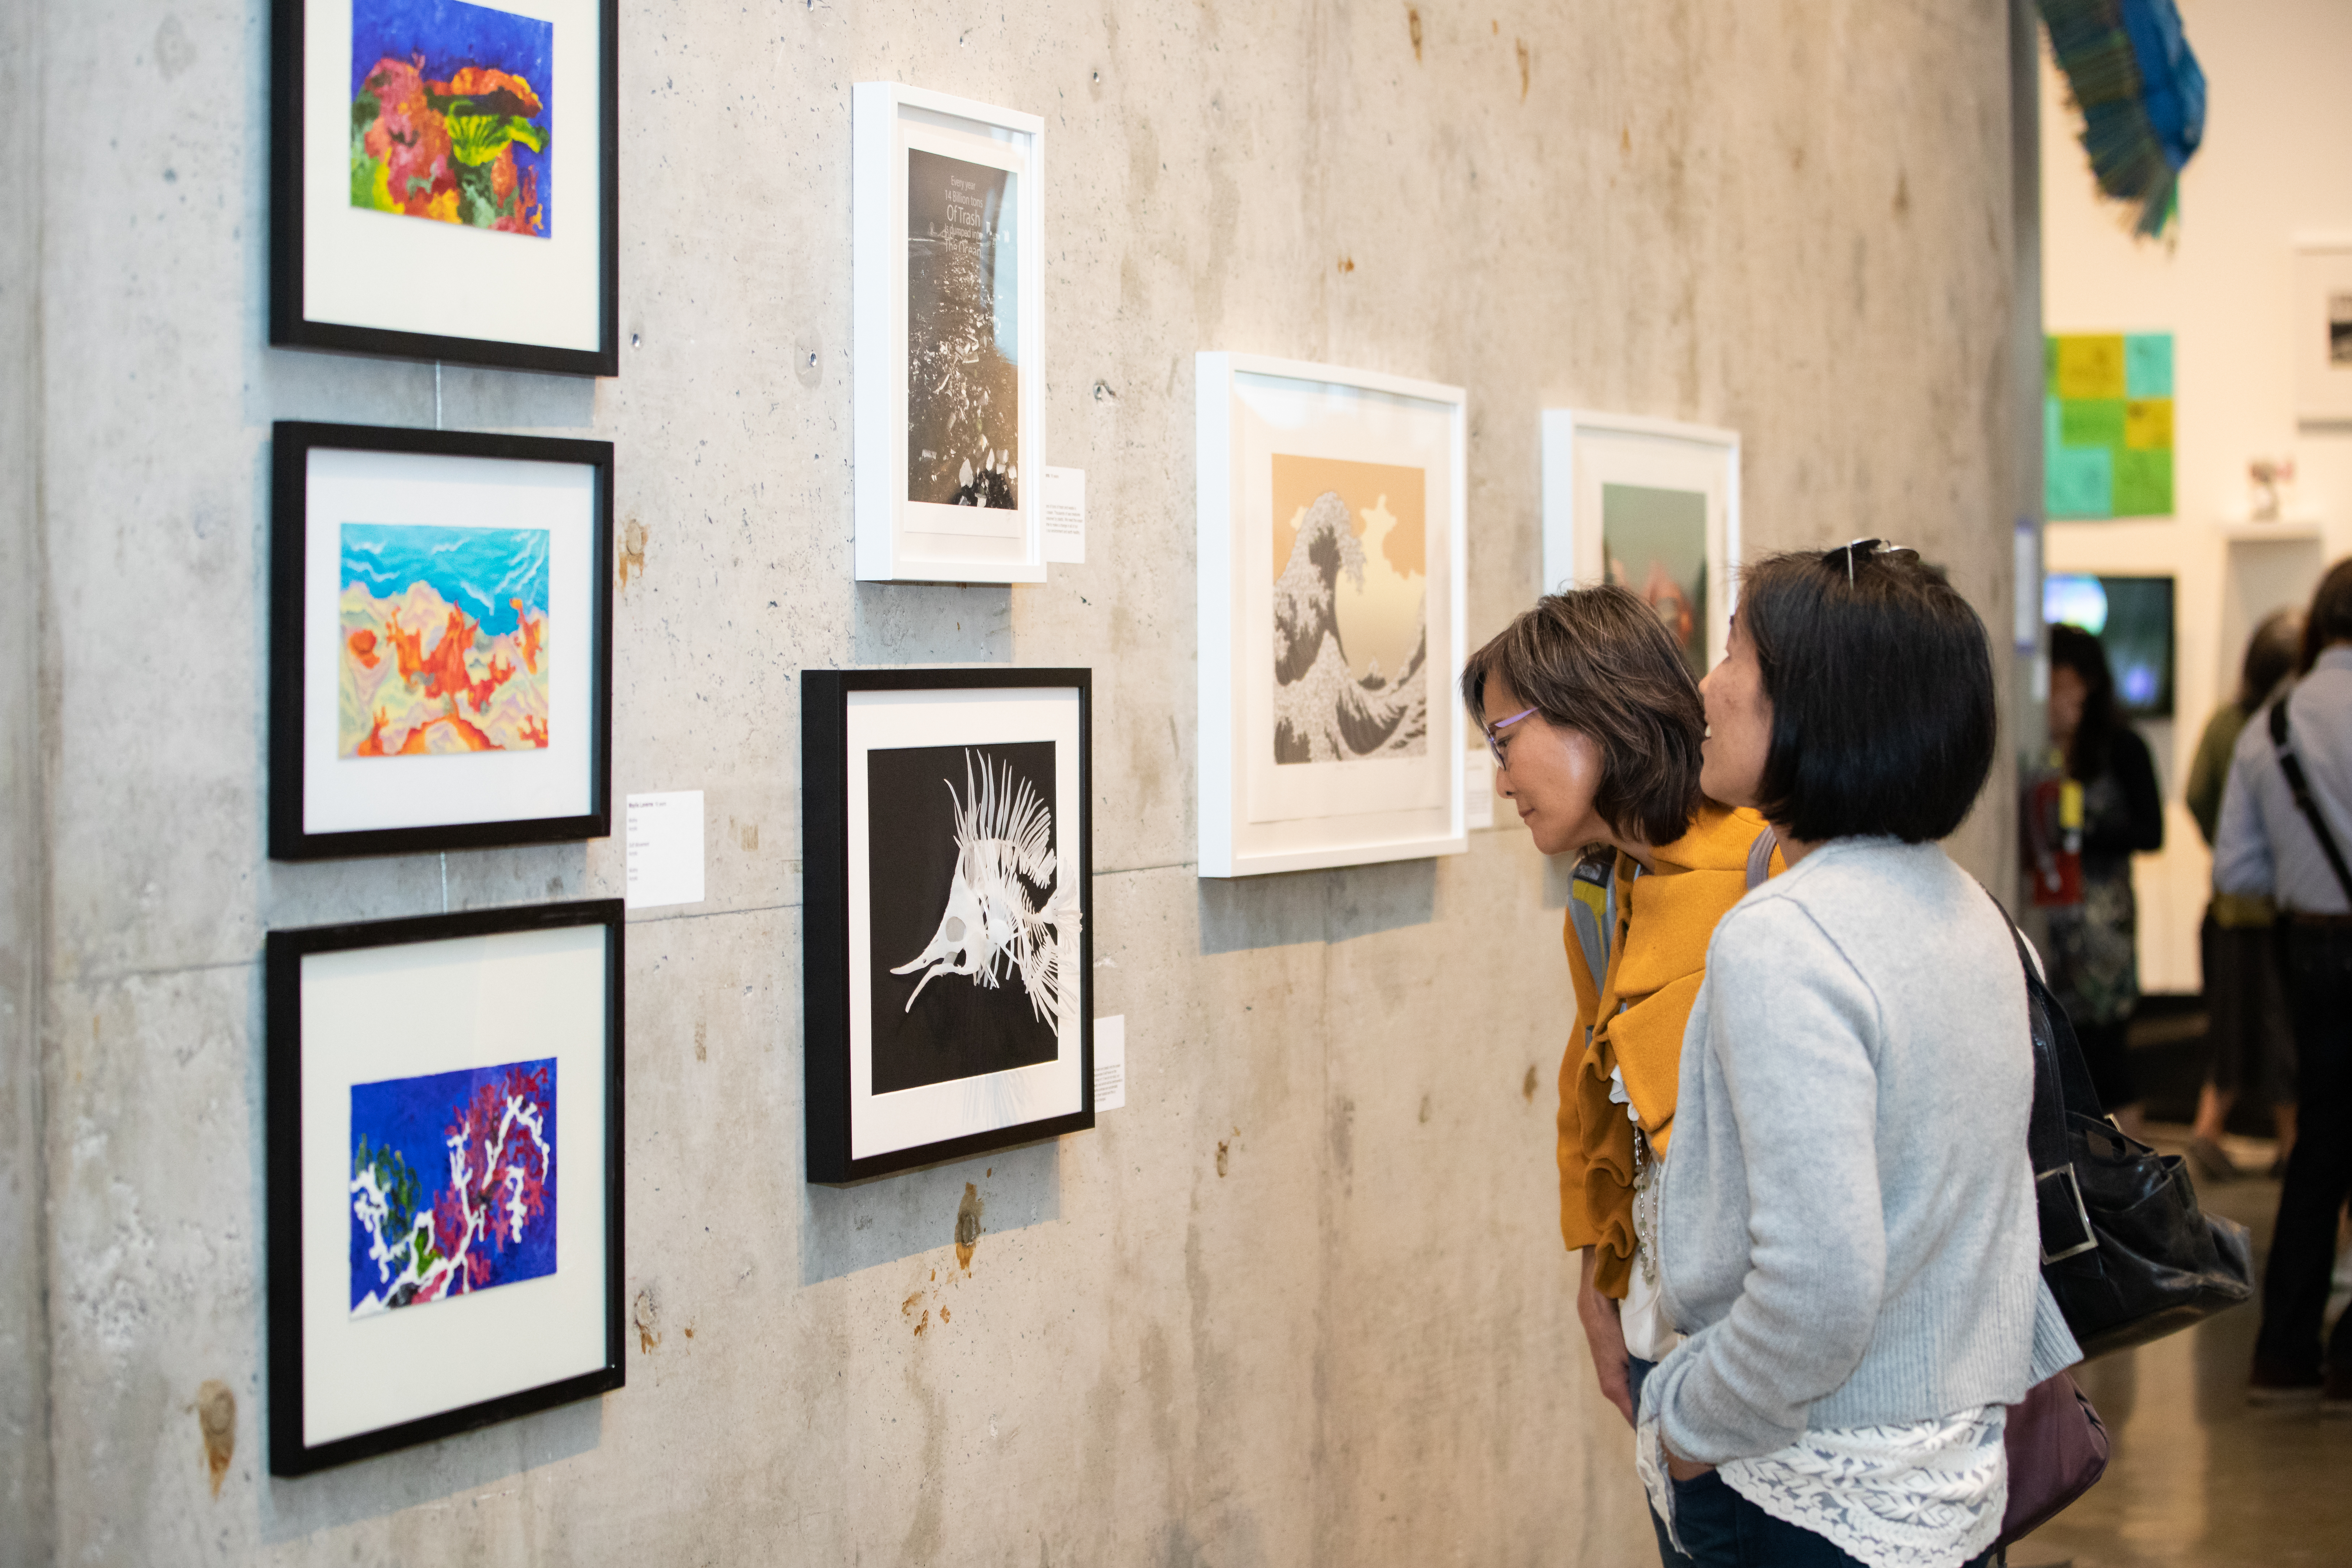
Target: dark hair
2330, 619
2072, 648
1881, 684
1600, 661
2271, 654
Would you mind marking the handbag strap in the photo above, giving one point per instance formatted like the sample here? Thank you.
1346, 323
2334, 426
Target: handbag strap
2061, 1084
2292, 766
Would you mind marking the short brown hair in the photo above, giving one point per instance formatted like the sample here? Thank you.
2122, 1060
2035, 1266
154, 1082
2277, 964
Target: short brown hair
1600, 661
2330, 618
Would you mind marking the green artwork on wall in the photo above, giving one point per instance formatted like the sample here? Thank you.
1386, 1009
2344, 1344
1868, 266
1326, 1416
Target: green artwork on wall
2107, 425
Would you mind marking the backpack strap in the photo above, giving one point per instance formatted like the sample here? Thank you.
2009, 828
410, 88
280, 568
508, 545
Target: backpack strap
2292, 766
1593, 915
1760, 858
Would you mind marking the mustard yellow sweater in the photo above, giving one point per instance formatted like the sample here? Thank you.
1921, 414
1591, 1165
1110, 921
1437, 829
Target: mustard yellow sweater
1636, 1012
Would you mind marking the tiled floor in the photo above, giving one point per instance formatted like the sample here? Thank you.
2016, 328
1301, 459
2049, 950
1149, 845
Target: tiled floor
2196, 1476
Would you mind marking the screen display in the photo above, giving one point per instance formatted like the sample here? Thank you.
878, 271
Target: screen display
2132, 618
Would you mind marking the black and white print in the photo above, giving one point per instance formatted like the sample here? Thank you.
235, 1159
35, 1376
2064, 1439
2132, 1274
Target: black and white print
964, 376
968, 920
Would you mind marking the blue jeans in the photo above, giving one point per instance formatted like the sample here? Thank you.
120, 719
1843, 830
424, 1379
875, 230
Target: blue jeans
1724, 1530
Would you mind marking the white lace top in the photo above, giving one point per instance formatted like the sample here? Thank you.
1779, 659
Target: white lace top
1925, 1494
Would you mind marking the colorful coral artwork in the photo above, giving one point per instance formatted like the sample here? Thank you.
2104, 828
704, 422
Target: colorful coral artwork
445, 641
452, 1183
1351, 610
2107, 425
453, 111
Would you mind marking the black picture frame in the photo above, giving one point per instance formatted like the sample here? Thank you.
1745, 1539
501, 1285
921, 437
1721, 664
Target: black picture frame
825, 946
289, 324
290, 1454
292, 442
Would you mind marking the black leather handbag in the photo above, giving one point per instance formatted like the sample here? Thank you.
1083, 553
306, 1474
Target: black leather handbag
2127, 1251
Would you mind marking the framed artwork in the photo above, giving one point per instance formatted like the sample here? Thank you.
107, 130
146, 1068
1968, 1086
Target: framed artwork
948, 906
1651, 505
440, 640
443, 181
2323, 330
948, 386
444, 1158
1330, 604
2107, 432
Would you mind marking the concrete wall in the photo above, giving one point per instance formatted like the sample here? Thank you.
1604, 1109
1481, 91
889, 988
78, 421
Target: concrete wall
1303, 1301
2268, 171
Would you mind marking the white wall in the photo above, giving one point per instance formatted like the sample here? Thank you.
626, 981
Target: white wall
2276, 163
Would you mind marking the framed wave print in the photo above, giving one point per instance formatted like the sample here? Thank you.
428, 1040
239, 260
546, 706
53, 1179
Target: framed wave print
948, 388
443, 181
1331, 620
946, 939
1652, 505
443, 1160
440, 640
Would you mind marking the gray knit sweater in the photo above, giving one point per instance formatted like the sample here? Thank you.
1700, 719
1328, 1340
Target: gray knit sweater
1847, 1228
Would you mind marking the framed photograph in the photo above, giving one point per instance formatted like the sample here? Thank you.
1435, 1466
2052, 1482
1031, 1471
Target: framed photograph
2323, 330
1330, 604
1649, 504
948, 383
443, 181
444, 1157
440, 640
948, 906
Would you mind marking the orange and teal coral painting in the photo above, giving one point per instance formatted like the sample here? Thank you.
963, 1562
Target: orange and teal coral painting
453, 113
443, 640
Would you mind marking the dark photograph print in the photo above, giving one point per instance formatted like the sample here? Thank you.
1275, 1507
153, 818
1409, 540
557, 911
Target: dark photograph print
2339, 329
963, 351
967, 923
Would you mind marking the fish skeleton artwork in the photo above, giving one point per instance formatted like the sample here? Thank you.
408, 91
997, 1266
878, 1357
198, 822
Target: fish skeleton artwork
992, 929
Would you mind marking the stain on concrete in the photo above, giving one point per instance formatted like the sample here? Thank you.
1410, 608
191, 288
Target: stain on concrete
1347, 264
967, 1231
906, 1307
1902, 194
648, 1336
175, 52
944, 1314
1529, 1084
1424, 1110
633, 550
1413, 28
1224, 1152
216, 1419
701, 1045
1525, 62
749, 835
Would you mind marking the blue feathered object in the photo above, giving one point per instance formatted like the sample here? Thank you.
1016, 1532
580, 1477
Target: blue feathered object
2141, 94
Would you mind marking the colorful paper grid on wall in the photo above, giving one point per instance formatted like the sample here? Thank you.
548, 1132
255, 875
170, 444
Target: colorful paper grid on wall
2107, 425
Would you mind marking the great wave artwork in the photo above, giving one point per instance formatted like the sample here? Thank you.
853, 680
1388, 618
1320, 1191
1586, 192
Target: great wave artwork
1351, 611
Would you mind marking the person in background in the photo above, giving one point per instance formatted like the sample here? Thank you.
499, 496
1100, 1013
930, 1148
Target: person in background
1595, 724
2094, 958
2253, 1043
2270, 846
1848, 1233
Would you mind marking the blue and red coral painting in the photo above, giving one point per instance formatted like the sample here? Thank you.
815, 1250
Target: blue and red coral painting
443, 640
452, 114
452, 1183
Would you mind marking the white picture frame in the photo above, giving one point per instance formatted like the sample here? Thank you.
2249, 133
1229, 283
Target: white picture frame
1585, 453
2323, 330
1287, 783
981, 169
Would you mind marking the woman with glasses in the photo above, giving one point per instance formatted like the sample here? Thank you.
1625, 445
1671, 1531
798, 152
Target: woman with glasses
1848, 1233
1595, 723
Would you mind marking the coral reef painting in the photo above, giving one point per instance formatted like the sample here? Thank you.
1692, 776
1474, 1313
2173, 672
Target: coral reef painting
1351, 611
452, 114
970, 914
443, 640
452, 1183
964, 341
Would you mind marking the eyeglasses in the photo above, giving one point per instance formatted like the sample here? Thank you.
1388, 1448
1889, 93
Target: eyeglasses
1494, 745
1865, 547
